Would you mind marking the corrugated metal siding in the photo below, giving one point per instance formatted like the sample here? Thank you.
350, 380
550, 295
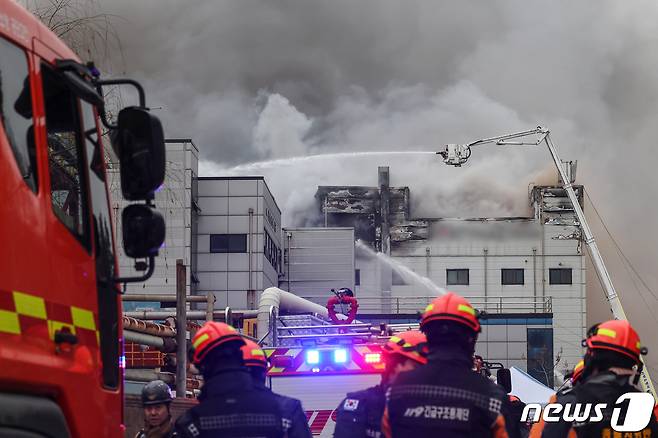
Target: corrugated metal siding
319, 259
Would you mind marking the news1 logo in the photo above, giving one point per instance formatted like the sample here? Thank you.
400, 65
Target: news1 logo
638, 411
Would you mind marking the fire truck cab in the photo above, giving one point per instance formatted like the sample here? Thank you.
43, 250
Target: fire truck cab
60, 332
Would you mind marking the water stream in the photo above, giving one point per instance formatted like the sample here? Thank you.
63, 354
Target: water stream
292, 161
409, 276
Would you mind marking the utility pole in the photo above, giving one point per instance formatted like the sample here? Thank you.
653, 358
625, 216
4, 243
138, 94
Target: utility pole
181, 329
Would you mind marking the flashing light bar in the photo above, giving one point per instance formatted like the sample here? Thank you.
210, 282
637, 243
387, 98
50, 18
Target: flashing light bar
373, 357
312, 357
340, 356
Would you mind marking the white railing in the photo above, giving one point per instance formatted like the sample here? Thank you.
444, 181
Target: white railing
414, 304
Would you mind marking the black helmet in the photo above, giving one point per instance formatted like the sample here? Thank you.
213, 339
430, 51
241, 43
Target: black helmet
155, 393
345, 291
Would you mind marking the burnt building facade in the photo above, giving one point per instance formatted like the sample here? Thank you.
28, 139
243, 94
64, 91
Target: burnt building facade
527, 273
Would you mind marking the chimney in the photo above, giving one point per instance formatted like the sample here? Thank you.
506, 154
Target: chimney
384, 203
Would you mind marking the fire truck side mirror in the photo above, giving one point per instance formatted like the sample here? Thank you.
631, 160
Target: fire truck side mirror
139, 141
143, 231
504, 379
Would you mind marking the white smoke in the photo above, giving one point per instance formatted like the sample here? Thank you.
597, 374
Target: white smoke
346, 76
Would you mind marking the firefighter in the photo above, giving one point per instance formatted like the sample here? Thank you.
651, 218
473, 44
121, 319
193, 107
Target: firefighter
516, 407
445, 397
156, 398
230, 405
572, 379
294, 418
360, 413
612, 366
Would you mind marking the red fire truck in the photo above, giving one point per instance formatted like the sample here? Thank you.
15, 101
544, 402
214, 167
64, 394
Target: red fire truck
60, 332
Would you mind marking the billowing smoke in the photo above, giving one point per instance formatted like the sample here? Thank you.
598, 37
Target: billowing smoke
260, 80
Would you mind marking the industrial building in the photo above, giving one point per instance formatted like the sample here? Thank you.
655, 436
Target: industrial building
175, 201
238, 240
527, 273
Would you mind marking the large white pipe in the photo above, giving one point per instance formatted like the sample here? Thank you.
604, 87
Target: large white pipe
282, 300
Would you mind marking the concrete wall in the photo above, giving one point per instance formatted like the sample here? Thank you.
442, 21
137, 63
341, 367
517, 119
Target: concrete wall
224, 209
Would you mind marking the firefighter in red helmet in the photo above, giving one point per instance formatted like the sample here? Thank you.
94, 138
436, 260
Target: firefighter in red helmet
294, 419
445, 397
611, 368
230, 405
360, 413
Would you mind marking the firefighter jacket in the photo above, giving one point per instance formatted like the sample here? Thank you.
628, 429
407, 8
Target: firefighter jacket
295, 422
360, 414
446, 398
165, 430
231, 406
601, 388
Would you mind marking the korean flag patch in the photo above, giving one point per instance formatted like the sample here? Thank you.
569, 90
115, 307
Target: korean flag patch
350, 404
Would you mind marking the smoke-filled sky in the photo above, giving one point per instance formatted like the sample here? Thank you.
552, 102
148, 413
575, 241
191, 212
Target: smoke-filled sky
254, 80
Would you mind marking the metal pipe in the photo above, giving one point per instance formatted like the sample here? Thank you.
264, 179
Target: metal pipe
328, 326
195, 315
337, 335
272, 318
534, 276
181, 330
162, 297
326, 218
210, 305
486, 253
289, 237
250, 291
143, 339
146, 375
280, 299
147, 327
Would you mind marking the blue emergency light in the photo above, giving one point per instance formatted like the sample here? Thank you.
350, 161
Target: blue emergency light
340, 355
312, 357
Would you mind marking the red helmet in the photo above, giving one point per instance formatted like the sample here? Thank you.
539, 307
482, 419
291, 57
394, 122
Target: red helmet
253, 355
577, 372
615, 335
411, 344
451, 307
210, 336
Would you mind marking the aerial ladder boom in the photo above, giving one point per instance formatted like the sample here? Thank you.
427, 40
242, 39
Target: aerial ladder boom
457, 154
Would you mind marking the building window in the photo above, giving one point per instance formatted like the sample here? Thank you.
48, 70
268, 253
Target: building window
231, 243
511, 276
272, 252
397, 279
456, 277
540, 355
16, 110
559, 276
357, 277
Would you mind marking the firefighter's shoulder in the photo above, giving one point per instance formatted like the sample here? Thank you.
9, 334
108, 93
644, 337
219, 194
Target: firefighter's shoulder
357, 400
288, 404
